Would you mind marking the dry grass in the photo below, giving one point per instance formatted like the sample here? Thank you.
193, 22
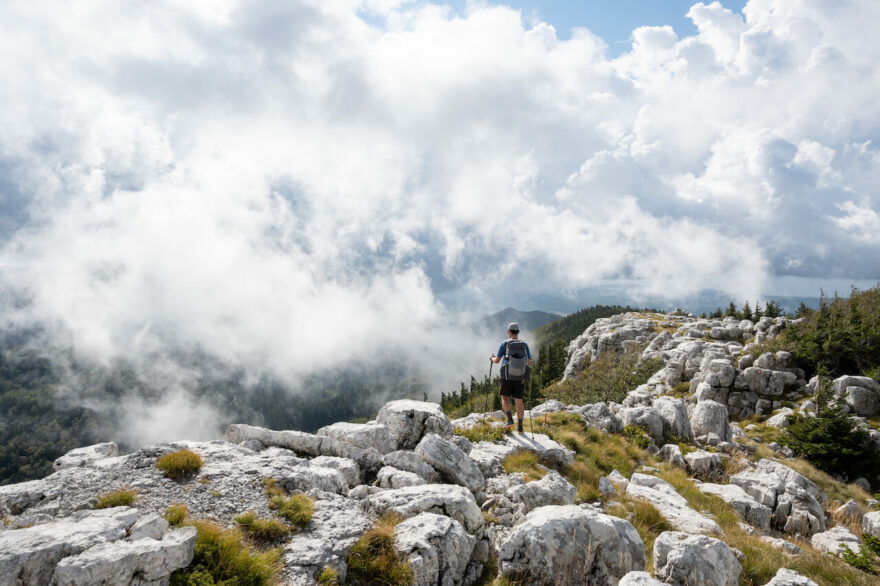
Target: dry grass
483, 432
119, 498
527, 463
180, 464
328, 577
647, 520
176, 514
262, 530
373, 558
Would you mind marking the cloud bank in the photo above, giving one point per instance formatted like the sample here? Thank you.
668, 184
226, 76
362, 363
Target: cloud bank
288, 184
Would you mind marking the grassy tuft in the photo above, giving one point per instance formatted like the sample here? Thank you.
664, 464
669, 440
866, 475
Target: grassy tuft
373, 558
176, 514
646, 519
262, 530
328, 577
222, 556
527, 463
119, 498
180, 464
483, 432
297, 509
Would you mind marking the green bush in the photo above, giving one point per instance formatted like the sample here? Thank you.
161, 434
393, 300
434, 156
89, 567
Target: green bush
180, 464
373, 558
609, 378
223, 557
262, 530
638, 435
831, 442
176, 514
119, 498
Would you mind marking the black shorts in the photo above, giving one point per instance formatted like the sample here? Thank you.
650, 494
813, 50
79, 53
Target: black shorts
512, 388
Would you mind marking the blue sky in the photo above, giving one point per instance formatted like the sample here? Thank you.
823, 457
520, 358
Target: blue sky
613, 20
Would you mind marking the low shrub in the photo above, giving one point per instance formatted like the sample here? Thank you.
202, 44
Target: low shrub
328, 577
373, 558
180, 464
223, 557
262, 530
832, 442
297, 509
637, 434
119, 498
176, 514
483, 432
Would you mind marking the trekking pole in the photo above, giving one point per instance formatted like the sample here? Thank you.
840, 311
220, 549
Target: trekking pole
489, 394
531, 404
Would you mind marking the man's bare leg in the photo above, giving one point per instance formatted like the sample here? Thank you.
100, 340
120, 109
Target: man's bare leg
505, 406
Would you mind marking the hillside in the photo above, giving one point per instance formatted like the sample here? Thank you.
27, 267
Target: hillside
708, 472
527, 320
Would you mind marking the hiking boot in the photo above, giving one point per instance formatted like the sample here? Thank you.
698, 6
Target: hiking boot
519, 427
509, 424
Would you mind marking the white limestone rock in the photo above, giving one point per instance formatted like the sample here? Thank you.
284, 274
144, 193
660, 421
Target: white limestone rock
704, 464
646, 416
871, 523
411, 462
150, 525
408, 421
710, 417
797, 503
453, 465
121, 562
347, 467
549, 451
549, 406
599, 416
618, 480
671, 505
553, 489
391, 477
489, 457
86, 456
833, 540
362, 435
605, 486
781, 419
672, 454
34, 552
749, 510
436, 547
681, 559
448, 499
786, 546
639, 579
562, 545
849, 511
786, 577
861, 394
674, 414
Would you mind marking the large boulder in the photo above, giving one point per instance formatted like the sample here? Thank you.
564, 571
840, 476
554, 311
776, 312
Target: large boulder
598, 415
362, 435
490, 457
871, 523
750, 510
835, 539
563, 545
786, 577
710, 417
122, 562
550, 452
861, 394
86, 455
553, 489
391, 477
704, 464
646, 416
797, 503
674, 414
445, 499
681, 559
453, 465
671, 505
408, 421
33, 553
639, 579
411, 462
436, 547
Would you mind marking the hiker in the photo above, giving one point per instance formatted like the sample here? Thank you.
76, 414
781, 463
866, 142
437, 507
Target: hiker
514, 372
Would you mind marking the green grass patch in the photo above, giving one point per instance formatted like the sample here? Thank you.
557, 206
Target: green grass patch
262, 530
223, 557
180, 464
527, 463
119, 498
176, 514
483, 432
373, 559
647, 520
297, 509
328, 577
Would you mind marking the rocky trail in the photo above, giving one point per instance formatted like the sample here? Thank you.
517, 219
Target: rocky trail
463, 519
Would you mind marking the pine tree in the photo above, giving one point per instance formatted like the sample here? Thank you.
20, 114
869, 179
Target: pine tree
747, 311
773, 309
731, 310
758, 312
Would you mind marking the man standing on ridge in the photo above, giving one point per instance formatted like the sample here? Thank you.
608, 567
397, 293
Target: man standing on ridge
514, 372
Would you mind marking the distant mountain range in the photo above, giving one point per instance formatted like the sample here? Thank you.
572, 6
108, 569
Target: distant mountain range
527, 320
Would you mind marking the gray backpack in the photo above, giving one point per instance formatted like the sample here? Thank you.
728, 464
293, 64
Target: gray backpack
517, 366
